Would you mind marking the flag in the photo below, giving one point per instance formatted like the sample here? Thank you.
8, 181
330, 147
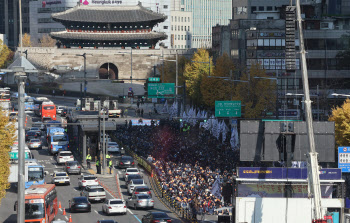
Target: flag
216, 189
165, 107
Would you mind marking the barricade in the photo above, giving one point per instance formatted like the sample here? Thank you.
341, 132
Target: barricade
185, 214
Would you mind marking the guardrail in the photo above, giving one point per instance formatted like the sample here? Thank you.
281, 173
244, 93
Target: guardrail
182, 213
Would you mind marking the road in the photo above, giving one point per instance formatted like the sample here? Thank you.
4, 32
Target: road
65, 193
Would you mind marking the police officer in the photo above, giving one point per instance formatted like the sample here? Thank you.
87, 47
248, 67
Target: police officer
110, 164
88, 161
98, 167
108, 157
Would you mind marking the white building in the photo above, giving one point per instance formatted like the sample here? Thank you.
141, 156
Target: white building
40, 16
181, 30
3, 39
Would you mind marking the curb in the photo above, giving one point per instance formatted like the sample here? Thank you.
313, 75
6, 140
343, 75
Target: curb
106, 188
118, 186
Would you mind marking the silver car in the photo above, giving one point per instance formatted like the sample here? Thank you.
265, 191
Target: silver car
72, 167
135, 182
35, 144
140, 201
142, 190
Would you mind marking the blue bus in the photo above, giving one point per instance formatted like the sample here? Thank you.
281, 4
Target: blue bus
57, 140
29, 104
36, 175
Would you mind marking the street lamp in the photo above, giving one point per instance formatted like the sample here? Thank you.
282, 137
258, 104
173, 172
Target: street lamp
275, 79
228, 79
81, 102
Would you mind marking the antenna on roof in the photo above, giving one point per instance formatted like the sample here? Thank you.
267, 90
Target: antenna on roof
139, 3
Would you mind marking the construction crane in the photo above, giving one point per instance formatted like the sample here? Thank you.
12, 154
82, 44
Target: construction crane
313, 168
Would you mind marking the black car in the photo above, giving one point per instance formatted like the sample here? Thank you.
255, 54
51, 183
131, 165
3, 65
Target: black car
106, 221
80, 204
64, 112
31, 135
126, 162
156, 217
132, 177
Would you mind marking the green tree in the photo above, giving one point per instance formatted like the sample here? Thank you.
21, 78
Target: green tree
26, 40
4, 54
7, 138
216, 88
258, 95
341, 117
194, 72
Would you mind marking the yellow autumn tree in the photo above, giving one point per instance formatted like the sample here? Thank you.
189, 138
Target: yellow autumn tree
194, 72
341, 117
26, 40
258, 95
4, 54
7, 133
215, 88
47, 41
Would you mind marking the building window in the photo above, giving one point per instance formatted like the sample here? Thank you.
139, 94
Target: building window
185, 28
269, 8
188, 19
175, 18
165, 6
269, 18
182, 28
182, 19
182, 37
178, 28
178, 37
175, 28
188, 28
175, 37
185, 37
171, 18
241, 10
252, 9
171, 27
165, 27
188, 37
261, 8
185, 19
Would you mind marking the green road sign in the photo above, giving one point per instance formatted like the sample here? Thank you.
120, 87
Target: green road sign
14, 155
154, 79
158, 90
227, 108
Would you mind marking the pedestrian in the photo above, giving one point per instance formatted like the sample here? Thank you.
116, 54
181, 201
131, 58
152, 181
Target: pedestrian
149, 158
98, 167
138, 104
88, 161
122, 113
142, 112
110, 164
53, 92
142, 101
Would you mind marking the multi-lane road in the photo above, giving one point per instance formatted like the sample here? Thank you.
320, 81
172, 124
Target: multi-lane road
65, 193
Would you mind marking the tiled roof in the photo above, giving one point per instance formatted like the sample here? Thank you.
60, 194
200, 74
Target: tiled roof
110, 14
22, 62
107, 36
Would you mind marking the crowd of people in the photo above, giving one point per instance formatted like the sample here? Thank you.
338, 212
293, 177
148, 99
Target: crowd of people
188, 162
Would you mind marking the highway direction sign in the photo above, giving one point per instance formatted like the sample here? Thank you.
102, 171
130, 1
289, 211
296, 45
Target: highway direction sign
227, 108
158, 90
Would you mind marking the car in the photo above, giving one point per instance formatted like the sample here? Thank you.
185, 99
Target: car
125, 162
130, 171
31, 135
35, 144
94, 193
60, 178
114, 206
135, 182
158, 216
132, 177
64, 112
34, 129
59, 221
59, 109
106, 221
140, 201
79, 204
72, 167
37, 123
113, 147
87, 180
64, 156
142, 190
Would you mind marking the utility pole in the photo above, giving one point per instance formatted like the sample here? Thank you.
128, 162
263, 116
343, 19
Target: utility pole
20, 27
313, 168
131, 65
21, 78
163, 66
104, 140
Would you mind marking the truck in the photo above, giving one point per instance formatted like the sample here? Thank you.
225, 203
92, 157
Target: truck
34, 173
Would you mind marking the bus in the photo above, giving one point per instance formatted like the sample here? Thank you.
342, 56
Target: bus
57, 140
41, 203
34, 173
48, 110
37, 102
29, 104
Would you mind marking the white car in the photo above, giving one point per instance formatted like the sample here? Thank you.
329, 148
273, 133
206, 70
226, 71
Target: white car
87, 180
135, 182
64, 156
60, 178
113, 147
94, 193
59, 109
114, 206
130, 171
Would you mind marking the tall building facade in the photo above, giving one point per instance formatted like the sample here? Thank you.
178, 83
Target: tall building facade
205, 15
181, 30
9, 20
40, 12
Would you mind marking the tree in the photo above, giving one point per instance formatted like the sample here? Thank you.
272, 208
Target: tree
341, 117
194, 72
217, 89
47, 41
26, 41
7, 138
4, 54
258, 95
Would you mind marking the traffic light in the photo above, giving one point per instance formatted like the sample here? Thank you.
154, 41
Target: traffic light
180, 120
205, 120
130, 94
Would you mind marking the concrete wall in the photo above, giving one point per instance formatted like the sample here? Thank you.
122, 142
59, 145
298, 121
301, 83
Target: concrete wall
277, 210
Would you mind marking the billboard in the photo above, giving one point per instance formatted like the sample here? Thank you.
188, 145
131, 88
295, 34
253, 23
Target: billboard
285, 173
344, 159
